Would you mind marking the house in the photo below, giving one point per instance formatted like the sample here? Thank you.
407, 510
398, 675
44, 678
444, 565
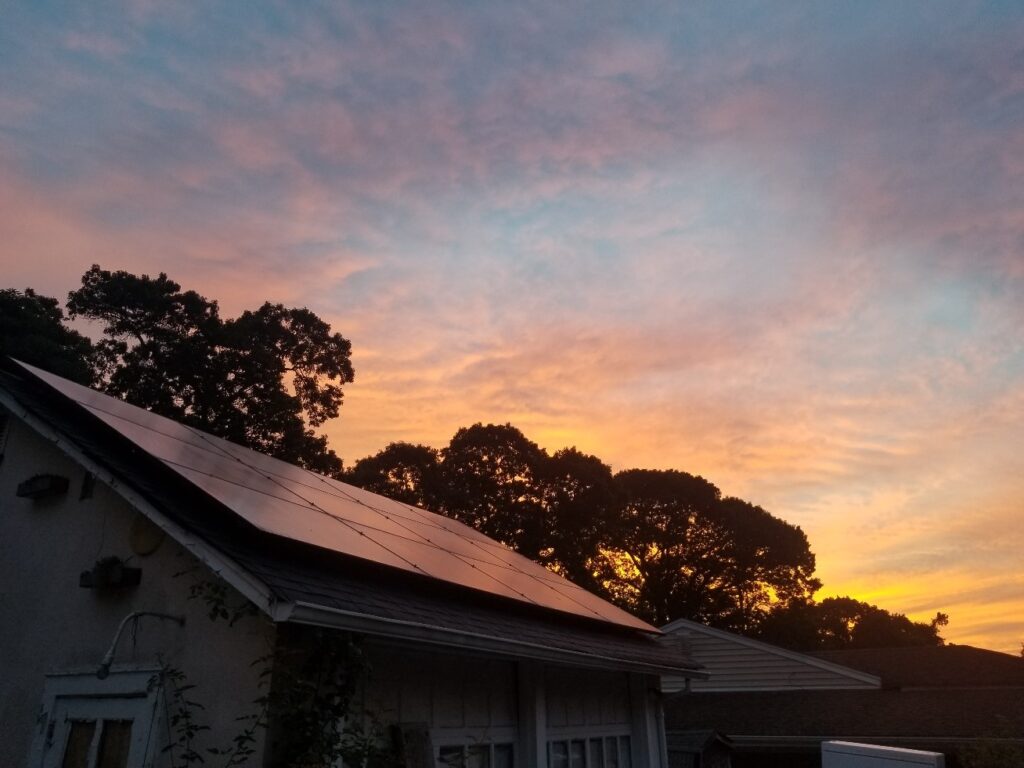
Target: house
776, 706
167, 596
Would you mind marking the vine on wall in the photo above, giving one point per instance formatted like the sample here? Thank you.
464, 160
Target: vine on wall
308, 685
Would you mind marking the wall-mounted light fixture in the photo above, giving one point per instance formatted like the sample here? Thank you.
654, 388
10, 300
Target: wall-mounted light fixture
42, 486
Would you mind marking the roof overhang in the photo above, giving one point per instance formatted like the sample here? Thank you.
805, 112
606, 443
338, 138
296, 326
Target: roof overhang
323, 616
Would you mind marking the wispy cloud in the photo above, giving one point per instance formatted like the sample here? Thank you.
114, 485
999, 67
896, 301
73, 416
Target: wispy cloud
782, 248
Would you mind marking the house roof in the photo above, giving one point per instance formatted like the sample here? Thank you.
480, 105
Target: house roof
939, 666
309, 549
886, 716
929, 695
737, 663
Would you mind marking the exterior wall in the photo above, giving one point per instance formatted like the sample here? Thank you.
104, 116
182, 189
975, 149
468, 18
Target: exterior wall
586, 701
539, 711
459, 699
735, 663
49, 624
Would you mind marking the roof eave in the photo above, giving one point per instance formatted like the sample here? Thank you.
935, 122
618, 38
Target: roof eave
336, 618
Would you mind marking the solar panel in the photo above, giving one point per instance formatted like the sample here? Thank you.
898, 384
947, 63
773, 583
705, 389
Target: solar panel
294, 503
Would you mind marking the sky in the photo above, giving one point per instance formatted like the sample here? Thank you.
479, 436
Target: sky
777, 245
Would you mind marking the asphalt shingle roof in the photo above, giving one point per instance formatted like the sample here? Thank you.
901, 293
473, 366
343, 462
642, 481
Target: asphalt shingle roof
940, 666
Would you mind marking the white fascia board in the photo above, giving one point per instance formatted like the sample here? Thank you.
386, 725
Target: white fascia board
247, 584
693, 626
337, 618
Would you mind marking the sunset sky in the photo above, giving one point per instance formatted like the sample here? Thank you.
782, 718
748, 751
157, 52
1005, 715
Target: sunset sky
777, 245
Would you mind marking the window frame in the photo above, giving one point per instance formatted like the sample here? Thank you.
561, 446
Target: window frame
131, 684
623, 745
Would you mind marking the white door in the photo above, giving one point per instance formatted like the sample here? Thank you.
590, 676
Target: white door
90, 732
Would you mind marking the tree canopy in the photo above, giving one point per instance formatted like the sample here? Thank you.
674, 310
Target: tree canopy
843, 622
684, 551
32, 330
663, 544
491, 478
401, 471
555, 509
262, 379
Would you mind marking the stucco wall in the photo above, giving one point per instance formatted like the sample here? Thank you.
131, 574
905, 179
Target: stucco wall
48, 623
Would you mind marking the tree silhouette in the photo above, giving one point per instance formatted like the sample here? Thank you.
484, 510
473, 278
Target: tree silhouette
556, 509
843, 622
580, 503
256, 380
401, 471
684, 552
32, 330
490, 479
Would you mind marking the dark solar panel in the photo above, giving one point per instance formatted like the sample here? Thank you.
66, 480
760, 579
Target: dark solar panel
288, 501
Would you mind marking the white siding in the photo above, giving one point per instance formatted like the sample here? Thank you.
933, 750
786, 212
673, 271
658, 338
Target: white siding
578, 699
454, 696
735, 663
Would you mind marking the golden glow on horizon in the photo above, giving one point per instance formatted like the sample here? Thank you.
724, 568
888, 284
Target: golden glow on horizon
856, 533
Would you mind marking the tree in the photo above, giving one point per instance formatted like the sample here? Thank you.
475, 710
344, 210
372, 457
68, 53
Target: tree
490, 480
843, 622
663, 544
554, 509
257, 380
580, 504
402, 471
664, 548
769, 563
32, 330
684, 552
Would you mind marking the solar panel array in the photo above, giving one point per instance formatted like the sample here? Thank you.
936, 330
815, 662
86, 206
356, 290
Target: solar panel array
297, 504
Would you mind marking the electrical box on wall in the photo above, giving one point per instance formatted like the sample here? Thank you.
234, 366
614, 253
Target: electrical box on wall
110, 573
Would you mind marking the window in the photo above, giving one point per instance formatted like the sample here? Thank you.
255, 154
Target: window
594, 752
93, 723
87, 743
475, 756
